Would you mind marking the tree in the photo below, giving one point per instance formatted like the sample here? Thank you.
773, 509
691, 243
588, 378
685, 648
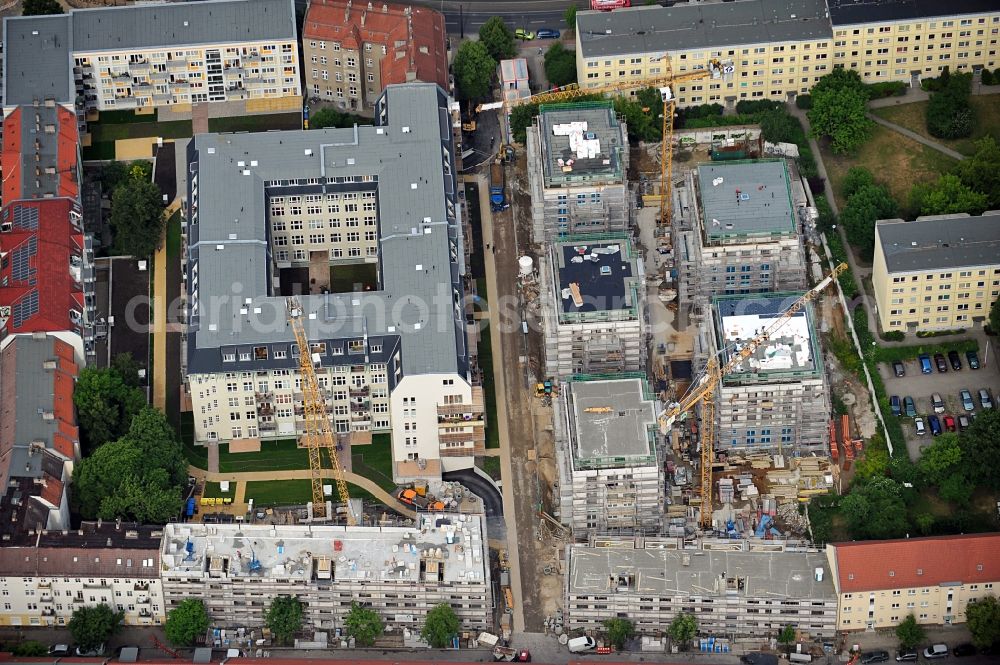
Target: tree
187, 622
683, 629
945, 196
137, 217
364, 625
440, 626
30, 649
857, 178
875, 509
787, 636
981, 171
560, 65
474, 69
127, 368
328, 117
956, 488
949, 114
873, 465
839, 107
570, 17
867, 202
941, 458
981, 449
983, 619
284, 617
498, 39
40, 8
909, 633
779, 127
105, 404
994, 321
92, 625
619, 631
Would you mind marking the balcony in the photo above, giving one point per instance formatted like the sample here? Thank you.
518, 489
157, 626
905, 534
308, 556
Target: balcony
141, 586
46, 597
360, 408
143, 601
48, 612
458, 409
268, 427
264, 397
177, 65
362, 391
478, 435
463, 451
265, 410
141, 66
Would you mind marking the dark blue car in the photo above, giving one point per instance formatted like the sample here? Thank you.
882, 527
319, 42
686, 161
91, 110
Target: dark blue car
547, 33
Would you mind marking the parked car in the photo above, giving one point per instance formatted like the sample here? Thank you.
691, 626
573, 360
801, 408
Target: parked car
97, 651
896, 405
984, 398
936, 651
906, 656
949, 423
547, 33
898, 368
874, 657
909, 407
521, 33
919, 424
955, 360
973, 359
963, 423
60, 650
925, 363
942, 365
963, 650
935, 424
967, 403
937, 403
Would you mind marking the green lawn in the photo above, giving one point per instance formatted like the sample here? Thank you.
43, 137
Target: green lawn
174, 236
97, 151
172, 129
295, 492
896, 161
911, 116
197, 456
489, 390
344, 276
375, 461
491, 465
481, 288
122, 117
256, 123
213, 490
281, 455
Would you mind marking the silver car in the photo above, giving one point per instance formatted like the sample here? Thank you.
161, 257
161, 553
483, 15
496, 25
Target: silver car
967, 403
984, 398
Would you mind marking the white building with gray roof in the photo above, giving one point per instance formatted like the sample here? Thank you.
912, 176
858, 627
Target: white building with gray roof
394, 357
609, 474
736, 590
400, 572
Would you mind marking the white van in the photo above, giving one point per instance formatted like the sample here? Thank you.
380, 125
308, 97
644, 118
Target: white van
579, 644
800, 658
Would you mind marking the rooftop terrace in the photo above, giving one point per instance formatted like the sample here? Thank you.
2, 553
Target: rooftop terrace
612, 421
582, 142
596, 275
791, 351
444, 549
743, 199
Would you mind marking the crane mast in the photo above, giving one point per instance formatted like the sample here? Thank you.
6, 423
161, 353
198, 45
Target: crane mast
317, 434
703, 390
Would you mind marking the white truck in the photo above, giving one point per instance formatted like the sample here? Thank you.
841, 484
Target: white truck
581, 644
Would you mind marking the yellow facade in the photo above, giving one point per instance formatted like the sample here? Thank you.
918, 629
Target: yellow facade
879, 52
936, 299
930, 605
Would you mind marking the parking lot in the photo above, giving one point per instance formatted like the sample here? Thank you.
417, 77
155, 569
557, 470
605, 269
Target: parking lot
948, 384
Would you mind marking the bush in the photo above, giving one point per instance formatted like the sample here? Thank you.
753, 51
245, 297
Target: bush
887, 89
893, 336
949, 114
939, 333
902, 353
987, 77
804, 102
754, 106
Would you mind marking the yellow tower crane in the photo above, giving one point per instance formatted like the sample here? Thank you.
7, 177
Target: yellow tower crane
318, 434
702, 391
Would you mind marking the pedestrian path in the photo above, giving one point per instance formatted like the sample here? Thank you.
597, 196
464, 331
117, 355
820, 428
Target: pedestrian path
159, 377
917, 137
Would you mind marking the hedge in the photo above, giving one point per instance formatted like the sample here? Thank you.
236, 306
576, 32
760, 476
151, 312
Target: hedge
901, 353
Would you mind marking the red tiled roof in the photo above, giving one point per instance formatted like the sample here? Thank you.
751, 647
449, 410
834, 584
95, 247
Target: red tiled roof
917, 562
66, 148
46, 273
11, 155
415, 43
69, 140
52, 491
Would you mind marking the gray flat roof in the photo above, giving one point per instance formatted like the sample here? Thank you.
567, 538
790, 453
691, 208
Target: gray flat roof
611, 419
405, 162
792, 350
653, 29
37, 62
605, 283
598, 125
746, 199
931, 244
660, 572
846, 12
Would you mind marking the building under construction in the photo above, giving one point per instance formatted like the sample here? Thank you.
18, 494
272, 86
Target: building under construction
593, 295
609, 476
738, 231
779, 399
577, 166
400, 572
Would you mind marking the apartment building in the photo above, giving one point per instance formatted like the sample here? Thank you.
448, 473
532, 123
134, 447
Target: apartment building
736, 591
158, 56
393, 356
779, 399
936, 273
609, 475
352, 51
740, 231
592, 292
39, 437
775, 49
879, 583
577, 171
46, 575
400, 572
